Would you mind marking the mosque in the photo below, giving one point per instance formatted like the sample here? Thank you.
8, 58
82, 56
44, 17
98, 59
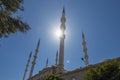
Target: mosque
58, 68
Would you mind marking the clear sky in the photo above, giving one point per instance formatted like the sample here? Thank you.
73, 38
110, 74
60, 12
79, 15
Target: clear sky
99, 19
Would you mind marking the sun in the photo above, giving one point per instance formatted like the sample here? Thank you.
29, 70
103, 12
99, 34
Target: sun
58, 33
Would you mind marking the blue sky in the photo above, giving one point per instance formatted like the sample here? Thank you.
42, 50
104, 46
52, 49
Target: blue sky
99, 19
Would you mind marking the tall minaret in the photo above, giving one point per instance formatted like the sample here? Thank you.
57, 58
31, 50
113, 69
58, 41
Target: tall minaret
85, 50
62, 28
56, 60
47, 63
34, 60
26, 69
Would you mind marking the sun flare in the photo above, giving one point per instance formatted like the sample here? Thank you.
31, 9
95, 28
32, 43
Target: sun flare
58, 33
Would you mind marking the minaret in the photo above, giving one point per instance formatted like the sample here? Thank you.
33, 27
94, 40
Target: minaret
47, 63
56, 61
61, 51
85, 50
34, 60
26, 69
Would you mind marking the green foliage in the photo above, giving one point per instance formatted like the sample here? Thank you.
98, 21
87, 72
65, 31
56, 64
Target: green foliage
11, 5
52, 77
8, 23
105, 71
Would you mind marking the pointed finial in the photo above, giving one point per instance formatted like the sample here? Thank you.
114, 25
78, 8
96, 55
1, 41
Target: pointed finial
30, 54
38, 44
64, 10
83, 35
63, 19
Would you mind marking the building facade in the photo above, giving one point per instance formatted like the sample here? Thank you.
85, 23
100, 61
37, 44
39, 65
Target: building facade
77, 74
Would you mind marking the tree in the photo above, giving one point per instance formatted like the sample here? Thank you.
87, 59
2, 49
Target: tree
105, 71
8, 23
52, 77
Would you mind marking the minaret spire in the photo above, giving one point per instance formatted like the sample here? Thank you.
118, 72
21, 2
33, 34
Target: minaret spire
62, 38
85, 50
34, 60
26, 69
47, 63
56, 58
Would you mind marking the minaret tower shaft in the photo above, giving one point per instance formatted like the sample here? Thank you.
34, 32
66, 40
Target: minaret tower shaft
34, 60
56, 60
26, 69
85, 50
46, 63
62, 38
